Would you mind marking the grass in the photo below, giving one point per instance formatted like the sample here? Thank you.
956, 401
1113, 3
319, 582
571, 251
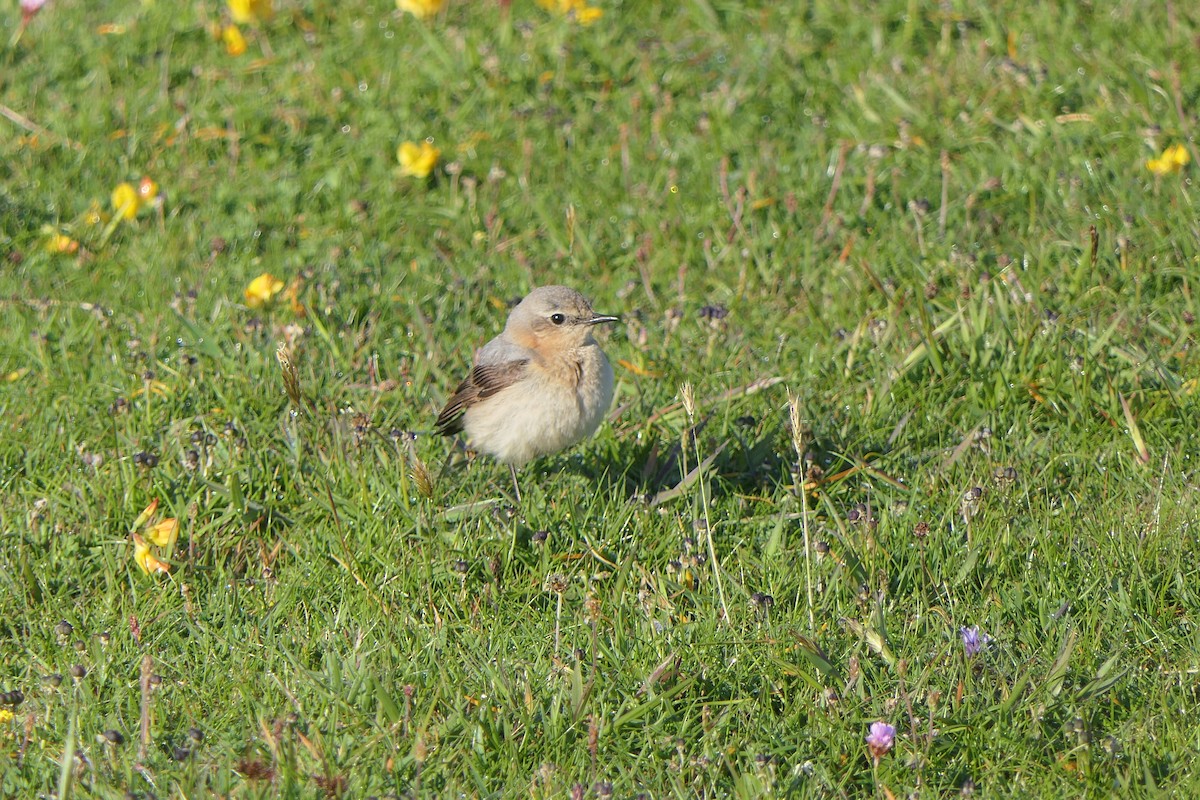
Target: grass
932, 226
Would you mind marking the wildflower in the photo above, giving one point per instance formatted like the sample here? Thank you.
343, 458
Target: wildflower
29, 8
149, 191
235, 43
126, 201
262, 289
421, 9
578, 10
164, 533
417, 160
146, 515
880, 739
5, 716
60, 243
161, 534
292, 295
95, 214
973, 640
250, 11
146, 560
1172, 160
586, 15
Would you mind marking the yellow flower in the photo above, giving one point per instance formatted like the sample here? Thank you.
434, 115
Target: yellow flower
5, 716
125, 201
61, 244
262, 289
164, 533
588, 14
235, 43
1172, 160
95, 214
417, 160
146, 515
247, 11
422, 9
147, 561
578, 10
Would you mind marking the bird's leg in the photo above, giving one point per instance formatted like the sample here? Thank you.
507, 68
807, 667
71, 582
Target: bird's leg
516, 488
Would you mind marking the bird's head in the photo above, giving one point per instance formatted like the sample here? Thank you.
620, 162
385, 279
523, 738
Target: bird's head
555, 317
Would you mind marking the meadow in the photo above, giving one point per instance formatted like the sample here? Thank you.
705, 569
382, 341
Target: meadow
896, 498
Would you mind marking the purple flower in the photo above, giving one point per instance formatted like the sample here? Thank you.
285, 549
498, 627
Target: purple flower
973, 640
880, 739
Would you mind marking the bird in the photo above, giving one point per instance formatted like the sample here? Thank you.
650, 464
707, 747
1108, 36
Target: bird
542, 385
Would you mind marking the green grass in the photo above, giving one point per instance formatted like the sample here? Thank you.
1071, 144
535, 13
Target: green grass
895, 204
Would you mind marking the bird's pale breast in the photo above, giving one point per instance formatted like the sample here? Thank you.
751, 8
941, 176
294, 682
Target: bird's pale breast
549, 409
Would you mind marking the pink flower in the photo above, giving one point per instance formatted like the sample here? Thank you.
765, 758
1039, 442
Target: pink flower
31, 7
880, 739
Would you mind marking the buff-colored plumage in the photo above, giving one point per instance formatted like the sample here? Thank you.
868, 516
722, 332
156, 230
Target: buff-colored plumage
539, 387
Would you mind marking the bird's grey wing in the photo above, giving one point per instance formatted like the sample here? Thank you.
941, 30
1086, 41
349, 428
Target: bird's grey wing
483, 381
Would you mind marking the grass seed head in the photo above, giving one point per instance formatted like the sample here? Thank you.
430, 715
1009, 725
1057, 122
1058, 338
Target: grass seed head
420, 474
291, 376
688, 396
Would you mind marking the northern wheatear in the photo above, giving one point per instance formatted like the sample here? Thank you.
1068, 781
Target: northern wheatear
539, 387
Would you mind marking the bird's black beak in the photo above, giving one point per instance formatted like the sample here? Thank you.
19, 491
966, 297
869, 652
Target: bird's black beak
596, 320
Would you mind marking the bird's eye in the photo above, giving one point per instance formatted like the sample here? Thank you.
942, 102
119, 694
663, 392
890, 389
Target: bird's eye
558, 319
